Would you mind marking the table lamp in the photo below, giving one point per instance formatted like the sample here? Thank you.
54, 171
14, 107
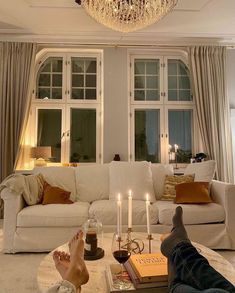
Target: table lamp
40, 154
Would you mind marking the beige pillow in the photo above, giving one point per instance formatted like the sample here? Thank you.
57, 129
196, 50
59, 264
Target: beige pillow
171, 182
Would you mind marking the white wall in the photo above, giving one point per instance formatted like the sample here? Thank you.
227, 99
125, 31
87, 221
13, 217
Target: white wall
115, 104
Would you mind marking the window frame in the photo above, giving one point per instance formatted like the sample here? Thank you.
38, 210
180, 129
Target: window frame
163, 104
66, 103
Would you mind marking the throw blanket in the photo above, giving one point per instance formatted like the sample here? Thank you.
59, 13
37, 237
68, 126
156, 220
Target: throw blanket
31, 187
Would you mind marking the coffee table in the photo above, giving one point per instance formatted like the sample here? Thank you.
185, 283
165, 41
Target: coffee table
48, 275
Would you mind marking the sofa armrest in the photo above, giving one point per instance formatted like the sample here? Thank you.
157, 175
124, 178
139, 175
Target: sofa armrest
13, 204
224, 194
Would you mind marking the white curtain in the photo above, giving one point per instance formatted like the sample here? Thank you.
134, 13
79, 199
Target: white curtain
208, 73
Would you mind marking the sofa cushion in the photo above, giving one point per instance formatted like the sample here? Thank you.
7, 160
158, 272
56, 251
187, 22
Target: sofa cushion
54, 215
203, 171
135, 176
192, 192
54, 194
63, 177
159, 172
92, 182
192, 213
171, 182
106, 212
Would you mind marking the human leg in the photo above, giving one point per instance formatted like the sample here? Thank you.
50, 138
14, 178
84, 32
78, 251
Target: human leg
186, 265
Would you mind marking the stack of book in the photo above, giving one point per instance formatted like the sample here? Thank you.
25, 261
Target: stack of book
147, 272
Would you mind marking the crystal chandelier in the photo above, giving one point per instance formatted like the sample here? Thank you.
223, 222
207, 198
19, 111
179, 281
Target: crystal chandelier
127, 15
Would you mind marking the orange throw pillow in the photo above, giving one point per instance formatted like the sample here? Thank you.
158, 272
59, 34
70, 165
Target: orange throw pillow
54, 194
192, 192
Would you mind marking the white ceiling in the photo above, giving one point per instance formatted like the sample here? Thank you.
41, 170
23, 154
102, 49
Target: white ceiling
192, 21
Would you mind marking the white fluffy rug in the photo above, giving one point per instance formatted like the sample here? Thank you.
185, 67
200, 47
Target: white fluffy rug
18, 273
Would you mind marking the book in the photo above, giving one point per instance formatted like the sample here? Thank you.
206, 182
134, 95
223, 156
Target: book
149, 267
113, 269
136, 282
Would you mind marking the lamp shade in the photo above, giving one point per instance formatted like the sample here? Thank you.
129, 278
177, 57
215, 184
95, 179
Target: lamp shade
43, 152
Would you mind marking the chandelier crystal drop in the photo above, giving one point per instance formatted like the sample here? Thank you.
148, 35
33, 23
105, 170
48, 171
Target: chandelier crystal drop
127, 15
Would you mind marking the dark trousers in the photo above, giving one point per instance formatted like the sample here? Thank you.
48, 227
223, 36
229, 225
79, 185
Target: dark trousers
192, 273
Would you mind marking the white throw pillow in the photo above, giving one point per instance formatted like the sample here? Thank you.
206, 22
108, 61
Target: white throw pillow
203, 171
135, 176
159, 172
92, 182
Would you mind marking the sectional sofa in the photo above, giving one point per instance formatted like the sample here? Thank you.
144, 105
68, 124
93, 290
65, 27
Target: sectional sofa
94, 188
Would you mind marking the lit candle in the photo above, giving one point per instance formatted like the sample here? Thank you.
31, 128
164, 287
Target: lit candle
147, 213
176, 147
130, 209
119, 215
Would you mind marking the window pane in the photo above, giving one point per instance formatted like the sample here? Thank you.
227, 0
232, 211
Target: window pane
90, 66
43, 93
78, 94
152, 82
152, 67
139, 95
77, 65
77, 80
83, 72
139, 67
147, 78
178, 79
83, 135
44, 80
147, 135
49, 76
152, 95
57, 93
172, 67
90, 94
172, 82
139, 82
57, 80
49, 131
172, 95
184, 82
185, 95
57, 65
180, 133
90, 81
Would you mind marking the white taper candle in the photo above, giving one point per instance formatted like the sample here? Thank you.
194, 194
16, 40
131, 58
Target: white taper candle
147, 214
130, 209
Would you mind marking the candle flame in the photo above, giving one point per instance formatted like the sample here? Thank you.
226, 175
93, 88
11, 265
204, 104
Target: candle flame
119, 196
130, 192
147, 196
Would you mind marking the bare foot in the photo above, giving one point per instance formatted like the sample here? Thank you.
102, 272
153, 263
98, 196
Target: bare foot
62, 262
77, 272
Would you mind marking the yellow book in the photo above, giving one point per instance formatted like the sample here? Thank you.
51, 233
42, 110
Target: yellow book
150, 267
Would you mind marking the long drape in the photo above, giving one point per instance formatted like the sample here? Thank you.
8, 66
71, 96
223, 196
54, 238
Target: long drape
17, 62
208, 73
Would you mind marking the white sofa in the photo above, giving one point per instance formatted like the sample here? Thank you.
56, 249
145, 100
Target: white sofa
93, 187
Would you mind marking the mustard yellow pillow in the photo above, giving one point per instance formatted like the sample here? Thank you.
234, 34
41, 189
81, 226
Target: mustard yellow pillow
55, 195
192, 192
171, 181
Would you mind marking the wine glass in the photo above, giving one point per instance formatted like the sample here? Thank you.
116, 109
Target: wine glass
121, 252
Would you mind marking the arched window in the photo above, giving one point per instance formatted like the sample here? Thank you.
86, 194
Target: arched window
67, 103
162, 109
